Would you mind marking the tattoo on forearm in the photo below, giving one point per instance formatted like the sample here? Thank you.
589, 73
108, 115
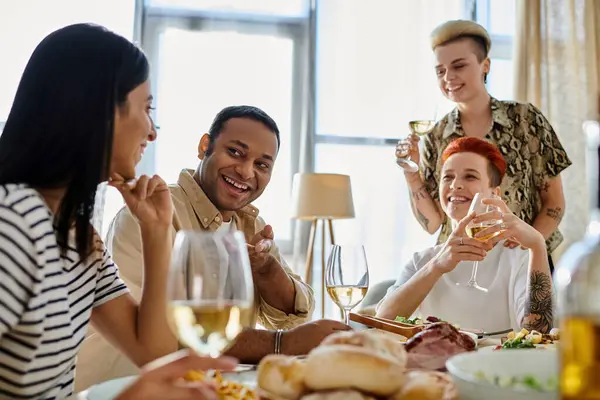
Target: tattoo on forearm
538, 308
555, 213
417, 195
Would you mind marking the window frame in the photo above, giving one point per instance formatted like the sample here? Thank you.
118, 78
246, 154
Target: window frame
476, 10
156, 20
503, 45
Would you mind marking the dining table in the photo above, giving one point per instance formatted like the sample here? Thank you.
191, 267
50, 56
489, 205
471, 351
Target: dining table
247, 373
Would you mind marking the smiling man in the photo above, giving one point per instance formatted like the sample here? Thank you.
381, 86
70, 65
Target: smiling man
237, 159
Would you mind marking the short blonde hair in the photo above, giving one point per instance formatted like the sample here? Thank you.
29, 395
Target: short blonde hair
451, 31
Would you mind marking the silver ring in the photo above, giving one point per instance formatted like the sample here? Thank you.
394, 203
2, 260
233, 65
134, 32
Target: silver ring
503, 226
461, 241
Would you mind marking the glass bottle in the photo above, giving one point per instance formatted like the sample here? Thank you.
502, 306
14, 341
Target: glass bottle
578, 286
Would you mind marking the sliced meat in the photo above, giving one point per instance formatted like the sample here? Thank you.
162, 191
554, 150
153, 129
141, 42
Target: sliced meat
439, 341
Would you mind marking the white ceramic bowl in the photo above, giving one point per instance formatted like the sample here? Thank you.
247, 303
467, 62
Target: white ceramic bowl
542, 365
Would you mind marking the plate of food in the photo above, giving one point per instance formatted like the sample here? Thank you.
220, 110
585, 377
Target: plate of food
531, 340
354, 365
350, 365
236, 385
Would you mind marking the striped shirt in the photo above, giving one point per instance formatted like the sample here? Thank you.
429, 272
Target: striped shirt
46, 299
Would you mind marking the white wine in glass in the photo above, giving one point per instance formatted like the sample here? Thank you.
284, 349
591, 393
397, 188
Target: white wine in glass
419, 127
347, 277
473, 229
210, 289
347, 296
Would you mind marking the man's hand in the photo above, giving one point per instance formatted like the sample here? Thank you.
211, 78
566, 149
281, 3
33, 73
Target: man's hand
259, 250
304, 338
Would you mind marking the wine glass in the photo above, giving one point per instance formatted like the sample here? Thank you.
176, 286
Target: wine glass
211, 292
419, 127
473, 229
347, 277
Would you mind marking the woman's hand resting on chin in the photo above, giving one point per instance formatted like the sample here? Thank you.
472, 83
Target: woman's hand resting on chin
459, 247
148, 199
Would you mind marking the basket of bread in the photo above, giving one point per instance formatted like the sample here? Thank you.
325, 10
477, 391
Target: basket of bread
352, 365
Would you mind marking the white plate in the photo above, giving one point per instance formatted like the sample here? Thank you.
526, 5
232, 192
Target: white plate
543, 365
110, 389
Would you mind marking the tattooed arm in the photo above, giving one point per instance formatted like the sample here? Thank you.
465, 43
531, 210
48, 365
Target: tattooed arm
553, 207
533, 286
538, 305
427, 211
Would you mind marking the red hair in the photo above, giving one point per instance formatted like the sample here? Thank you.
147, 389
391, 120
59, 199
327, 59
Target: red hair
485, 149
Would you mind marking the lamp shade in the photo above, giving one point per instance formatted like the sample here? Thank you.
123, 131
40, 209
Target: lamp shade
322, 196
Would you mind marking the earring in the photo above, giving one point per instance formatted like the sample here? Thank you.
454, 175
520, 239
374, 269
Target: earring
485, 77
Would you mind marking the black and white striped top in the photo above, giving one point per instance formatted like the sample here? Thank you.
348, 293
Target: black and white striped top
46, 299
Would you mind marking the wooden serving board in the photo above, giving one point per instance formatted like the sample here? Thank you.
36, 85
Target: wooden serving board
388, 325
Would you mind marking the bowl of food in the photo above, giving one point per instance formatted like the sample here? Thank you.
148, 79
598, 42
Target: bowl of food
518, 374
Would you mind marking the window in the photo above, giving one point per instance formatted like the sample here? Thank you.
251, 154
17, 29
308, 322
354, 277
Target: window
499, 18
203, 64
234, 8
24, 23
372, 80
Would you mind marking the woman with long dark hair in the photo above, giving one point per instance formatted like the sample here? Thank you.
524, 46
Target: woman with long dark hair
81, 116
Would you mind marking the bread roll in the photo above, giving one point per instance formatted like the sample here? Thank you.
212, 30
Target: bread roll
350, 367
282, 376
420, 384
371, 339
338, 395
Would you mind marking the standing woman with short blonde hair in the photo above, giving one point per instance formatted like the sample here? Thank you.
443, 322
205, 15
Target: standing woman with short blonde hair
532, 187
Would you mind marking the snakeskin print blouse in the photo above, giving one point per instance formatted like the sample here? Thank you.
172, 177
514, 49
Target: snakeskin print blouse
529, 145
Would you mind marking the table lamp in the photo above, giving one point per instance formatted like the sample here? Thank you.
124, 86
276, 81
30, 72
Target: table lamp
321, 197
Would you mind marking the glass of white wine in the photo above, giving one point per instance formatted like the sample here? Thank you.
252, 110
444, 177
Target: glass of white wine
473, 229
210, 290
347, 277
419, 127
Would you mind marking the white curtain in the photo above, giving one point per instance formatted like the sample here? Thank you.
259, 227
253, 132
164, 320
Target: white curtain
557, 46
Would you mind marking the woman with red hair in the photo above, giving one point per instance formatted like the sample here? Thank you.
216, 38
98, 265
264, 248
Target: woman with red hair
518, 280
532, 187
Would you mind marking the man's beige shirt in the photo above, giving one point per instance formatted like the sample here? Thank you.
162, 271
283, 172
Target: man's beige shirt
98, 361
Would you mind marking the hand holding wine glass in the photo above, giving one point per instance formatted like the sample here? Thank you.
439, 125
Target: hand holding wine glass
477, 229
347, 277
407, 150
211, 290
510, 226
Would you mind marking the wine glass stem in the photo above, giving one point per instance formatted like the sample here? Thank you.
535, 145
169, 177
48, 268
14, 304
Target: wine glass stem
474, 273
346, 314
